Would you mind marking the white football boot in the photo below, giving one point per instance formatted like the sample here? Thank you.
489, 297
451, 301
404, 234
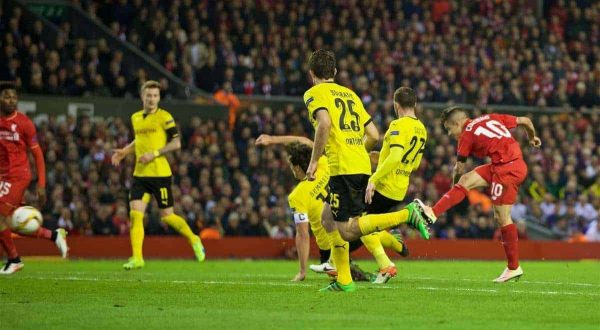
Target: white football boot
11, 267
509, 274
61, 242
325, 267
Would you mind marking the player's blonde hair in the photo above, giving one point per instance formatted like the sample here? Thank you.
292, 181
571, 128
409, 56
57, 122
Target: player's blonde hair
150, 84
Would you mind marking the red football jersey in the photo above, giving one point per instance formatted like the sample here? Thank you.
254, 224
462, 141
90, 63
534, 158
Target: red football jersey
17, 134
489, 136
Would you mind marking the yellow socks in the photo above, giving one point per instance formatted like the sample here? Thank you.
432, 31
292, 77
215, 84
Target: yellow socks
178, 223
371, 223
136, 233
321, 237
389, 241
340, 254
373, 244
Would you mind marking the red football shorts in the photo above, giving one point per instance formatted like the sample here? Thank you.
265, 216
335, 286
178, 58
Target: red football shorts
504, 180
11, 194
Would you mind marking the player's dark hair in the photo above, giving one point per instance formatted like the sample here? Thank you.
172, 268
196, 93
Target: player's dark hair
299, 154
406, 97
7, 85
322, 64
450, 111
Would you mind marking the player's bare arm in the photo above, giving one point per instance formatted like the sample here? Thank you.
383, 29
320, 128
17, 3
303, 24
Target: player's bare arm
40, 166
321, 136
371, 136
303, 249
119, 154
267, 140
174, 144
527, 124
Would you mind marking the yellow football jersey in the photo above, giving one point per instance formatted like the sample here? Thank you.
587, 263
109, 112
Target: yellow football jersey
306, 202
150, 133
409, 134
345, 147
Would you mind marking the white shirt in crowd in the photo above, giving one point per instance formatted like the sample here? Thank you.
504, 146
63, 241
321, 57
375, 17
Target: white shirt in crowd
593, 232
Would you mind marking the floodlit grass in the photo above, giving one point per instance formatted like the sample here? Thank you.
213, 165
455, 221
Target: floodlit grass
258, 294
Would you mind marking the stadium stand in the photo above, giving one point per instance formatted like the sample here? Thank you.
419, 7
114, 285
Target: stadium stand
467, 52
227, 186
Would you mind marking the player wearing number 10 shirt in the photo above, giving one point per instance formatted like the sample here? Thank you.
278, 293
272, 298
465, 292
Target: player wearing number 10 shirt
488, 136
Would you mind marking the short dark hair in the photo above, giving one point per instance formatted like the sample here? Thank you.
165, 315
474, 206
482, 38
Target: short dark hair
7, 85
299, 153
322, 64
450, 111
406, 97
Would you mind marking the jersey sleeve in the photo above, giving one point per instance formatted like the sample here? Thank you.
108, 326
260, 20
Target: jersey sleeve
396, 136
365, 117
298, 207
29, 133
314, 103
507, 120
169, 126
465, 145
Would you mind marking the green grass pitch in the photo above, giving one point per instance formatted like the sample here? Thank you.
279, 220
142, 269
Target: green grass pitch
258, 294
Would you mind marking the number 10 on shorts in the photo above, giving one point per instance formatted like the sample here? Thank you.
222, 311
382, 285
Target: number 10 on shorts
496, 190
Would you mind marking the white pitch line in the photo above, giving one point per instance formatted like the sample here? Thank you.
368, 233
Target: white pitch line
485, 281
428, 288
512, 291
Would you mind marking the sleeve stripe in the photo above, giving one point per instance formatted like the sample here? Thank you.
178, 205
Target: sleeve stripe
396, 145
317, 110
368, 121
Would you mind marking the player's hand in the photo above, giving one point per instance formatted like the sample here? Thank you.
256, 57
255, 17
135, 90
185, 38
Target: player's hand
299, 277
535, 142
311, 171
41, 196
264, 140
117, 157
370, 192
146, 158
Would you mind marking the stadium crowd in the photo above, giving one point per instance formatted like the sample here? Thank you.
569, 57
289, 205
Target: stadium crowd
483, 52
476, 52
227, 186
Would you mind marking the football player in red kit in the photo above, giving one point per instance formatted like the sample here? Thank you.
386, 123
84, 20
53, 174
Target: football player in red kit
488, 136
17, 135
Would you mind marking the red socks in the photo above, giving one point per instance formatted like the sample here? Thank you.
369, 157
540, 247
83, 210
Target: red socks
7, 244
451, 198
41, 233
510, 242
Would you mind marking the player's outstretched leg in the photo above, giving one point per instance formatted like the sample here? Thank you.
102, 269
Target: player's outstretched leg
178, 223
59, 237
410, 214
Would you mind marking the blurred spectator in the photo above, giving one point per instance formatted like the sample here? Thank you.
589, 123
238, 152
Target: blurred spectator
593, 232
226, 97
